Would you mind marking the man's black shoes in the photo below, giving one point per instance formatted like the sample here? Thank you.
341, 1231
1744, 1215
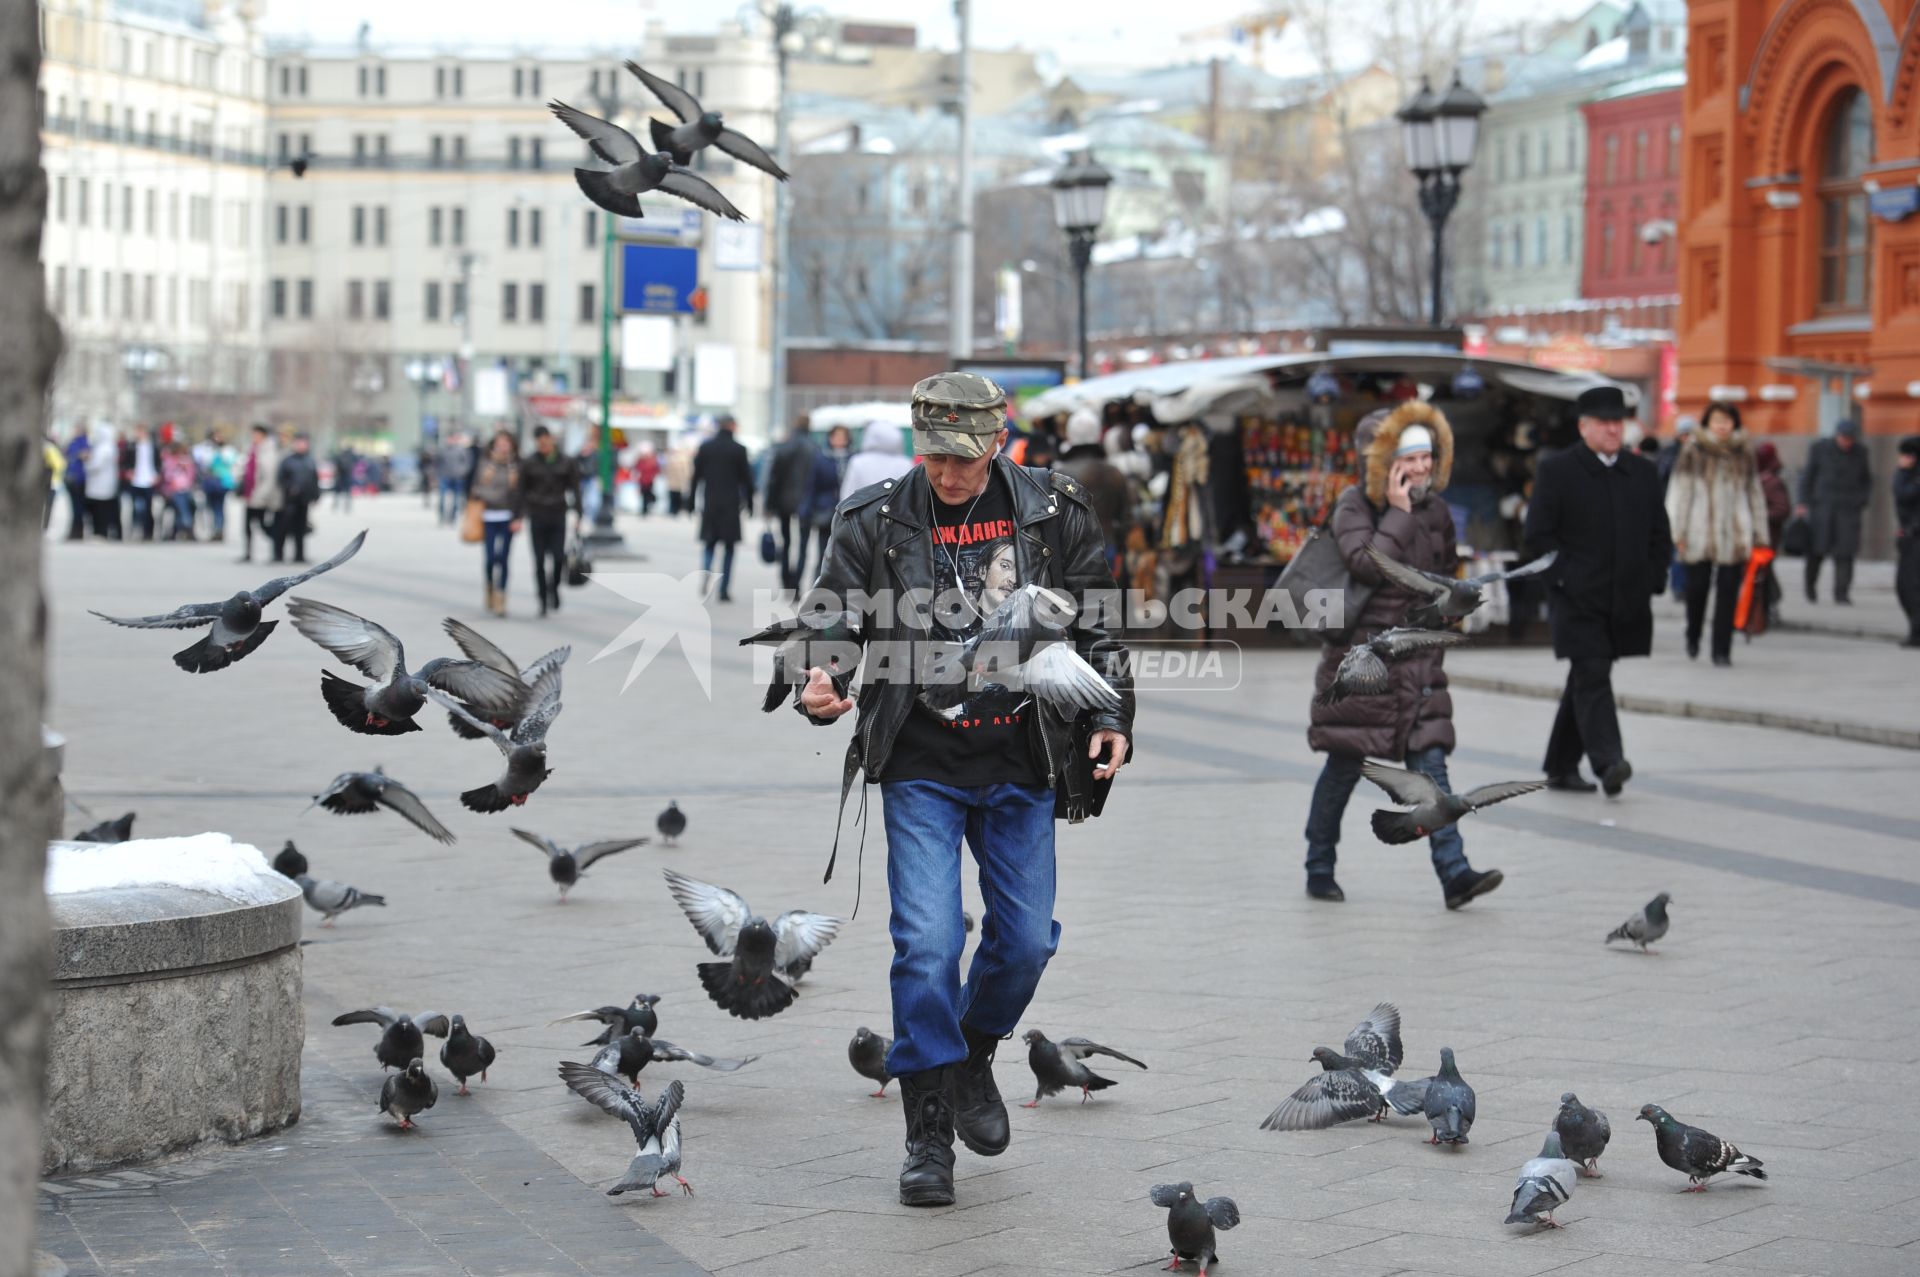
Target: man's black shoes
1323, 887
1469, 883
926, 1177
979, 1114
1572, 783
1615, 778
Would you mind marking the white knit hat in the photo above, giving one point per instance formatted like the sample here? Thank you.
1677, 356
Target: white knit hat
1083, 427
1415, 438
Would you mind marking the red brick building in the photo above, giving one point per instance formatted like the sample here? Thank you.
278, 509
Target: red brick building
1633, 189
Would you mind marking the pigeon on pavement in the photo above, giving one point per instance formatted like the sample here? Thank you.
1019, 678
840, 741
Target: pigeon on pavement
1191, 1223
465, 1053
697, 128
400, 1034
479, 648
631, 1052
1432, 808
107, 831
1546, 1182
671, 823
1022, 645
814, 639
1351, 1085
237, 627
1583, 1133
1448, 1102
566, 866
1699, 1154
290, 862
766, 959
656, 1126
868, 1055
1645, 926
1449, 598
619, 1020
525, 749
387, 707
636, 171
331, 899
408, 1092
1056, 1066
352, 793
1363, 671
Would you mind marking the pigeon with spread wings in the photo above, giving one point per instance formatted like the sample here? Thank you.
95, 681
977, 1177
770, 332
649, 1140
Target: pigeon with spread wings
525, 749
1023, 645
698, 128
353, 793
639, 1014
1057, 1065
566, 865
481, 649
388, 706
1447, 598
1350, 1085
656, 1126
1433, 808
400, 1033
1363, 670
765, 959
635, 171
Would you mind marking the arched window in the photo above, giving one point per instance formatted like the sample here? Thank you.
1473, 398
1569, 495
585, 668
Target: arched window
1844, 235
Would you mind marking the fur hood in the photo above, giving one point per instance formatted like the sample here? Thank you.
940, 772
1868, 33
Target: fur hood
1715, 504
1376, 453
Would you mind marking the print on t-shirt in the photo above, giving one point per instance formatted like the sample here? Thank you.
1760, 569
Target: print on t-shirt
975, 569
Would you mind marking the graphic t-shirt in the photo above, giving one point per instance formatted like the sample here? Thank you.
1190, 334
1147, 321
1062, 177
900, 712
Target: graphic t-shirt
983, 741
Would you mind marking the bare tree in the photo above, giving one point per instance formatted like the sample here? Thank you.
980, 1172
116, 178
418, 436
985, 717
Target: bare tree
879, 274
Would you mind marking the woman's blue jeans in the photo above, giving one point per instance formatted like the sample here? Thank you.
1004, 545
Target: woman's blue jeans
1335, 786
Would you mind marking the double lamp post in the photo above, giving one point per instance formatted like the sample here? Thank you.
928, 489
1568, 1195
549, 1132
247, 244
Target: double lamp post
1441, 132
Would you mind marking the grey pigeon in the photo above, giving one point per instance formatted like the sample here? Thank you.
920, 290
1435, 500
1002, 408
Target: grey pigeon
765, 959
636, 171
566, 865
1546, 1183
1432, 808
1191, 1223
1448, 1102
525, 749
352, 793
479, 648
290, 862
814, 639
387, 707
1699, 1154
1057, 1066
408, 1092
1022, 645
1646, 926
465, 1053
656, 1126
237, 627
671, 823
628, 1054
1363, 670
868, 1055
1351, 1085
1448, 598
331, 899
400, 1034
697, 128
1583, 1133
107, 831
637, 1015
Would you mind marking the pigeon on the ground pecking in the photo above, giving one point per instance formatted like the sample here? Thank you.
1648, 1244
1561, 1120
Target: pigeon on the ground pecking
1447, 1102
697, 128
1022, 645
1363, 671
387, 707
237, 627
766, 959
290, 862
1645, 926
1699, 1154
565, 866
656, 1126
331, 899
1546, 1182
1191, 1223
814, 639
400, 1034
1448, 598
635, 170
352, 793
479, 648
868, 1055
408, 1092
1056, 1066
1432, 808
465, 1053
1583, 1133
107, 831
619, 1020
1351, 1085
525, 749
631, 1052
671, 823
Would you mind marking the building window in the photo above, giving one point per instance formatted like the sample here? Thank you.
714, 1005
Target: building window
1540, 241
509, 303
533, 76
366, 75
1635, 220
1500, 159
1844, 235
380, 151
433, 226
1519, 244
533, 228
382, 299
153, 210
1566, 240
585, 370
1606, 250
519, 81
380, 82
436, 150
359, 150
126, 208
458, 229
80, 185
459, 152
432, 303
439, 82
380, 225
587, 313
513, 228
80, 289
513, 152
305, 298
304, 222
534, 157
536, 303
356, 299
459, 82
1640, 155
277, 299
60, 198
1612, 165
1546, 154
1520, 157
303, 82
359, 224
592, 229
1673, 150
1495, 246
146, 298
457, 301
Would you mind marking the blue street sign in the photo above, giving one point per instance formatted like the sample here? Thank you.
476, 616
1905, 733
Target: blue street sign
1896, 204
658, 279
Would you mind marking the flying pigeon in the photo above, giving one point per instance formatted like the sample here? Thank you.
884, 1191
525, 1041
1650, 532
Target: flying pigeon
1448, 1102
107, 831
478, 648
387, 708
1191, 1223
1546, 1182
1583, 1133
237, 627
656, 1126
1351, 1085
400, 1034
1448, 598
525, 749
631, 1052
767, 959
408, 1092
639, 1015
1646, 926
814, 639
1023, 645
1056, 1065
565, 866
1699, 1154
1432, 808
290, 862
354, 792
331, 899
465, 1053
1363, 670
671, 823
635, 171
698, 128
868, 1055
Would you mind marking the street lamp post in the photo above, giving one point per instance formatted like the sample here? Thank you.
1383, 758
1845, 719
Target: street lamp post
603, 538
797, 33
1441, 132
139, 361
1079, 206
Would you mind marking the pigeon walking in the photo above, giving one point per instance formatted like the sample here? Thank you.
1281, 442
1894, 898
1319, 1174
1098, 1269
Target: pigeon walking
1191, 1223
400, 1034
656, 1126
1699, 1154
1645, 926
1351, 1085
626, 1055
1448, 1102
868, 1055
1056, 1066
408, 1092
1433, 808
352, 793
1448, 598
619, 1020
237, 627
479, 648
387, 707
671, 823
565, 866
1363, 670
465, 1054
697, 128
1583, 1133
1546, 1183
290, 862
814, 639
525, 749
107, 831
1022, 645
766, 959
331, 899
636, 171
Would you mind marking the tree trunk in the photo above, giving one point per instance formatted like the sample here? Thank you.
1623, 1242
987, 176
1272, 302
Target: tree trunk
29, 345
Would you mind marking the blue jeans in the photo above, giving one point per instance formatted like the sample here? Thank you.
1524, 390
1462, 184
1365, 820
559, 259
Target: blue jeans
497, 540
452, 500
726, 563
1010, 829
1335, 786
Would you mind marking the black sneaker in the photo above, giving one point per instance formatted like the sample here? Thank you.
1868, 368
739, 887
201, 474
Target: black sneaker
1615, 778
1464, 886
926, 1177
1572, 783
1323, 887
979, 1114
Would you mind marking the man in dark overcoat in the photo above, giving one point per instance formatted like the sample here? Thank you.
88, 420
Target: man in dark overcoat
723, 487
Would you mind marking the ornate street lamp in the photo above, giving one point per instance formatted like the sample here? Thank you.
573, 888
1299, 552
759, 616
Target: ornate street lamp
1079, 206
1441, 133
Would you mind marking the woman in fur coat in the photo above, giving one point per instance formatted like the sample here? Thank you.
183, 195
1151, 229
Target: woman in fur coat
1718, 512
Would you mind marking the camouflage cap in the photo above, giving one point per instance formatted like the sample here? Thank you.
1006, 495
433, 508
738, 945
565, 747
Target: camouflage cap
957, 414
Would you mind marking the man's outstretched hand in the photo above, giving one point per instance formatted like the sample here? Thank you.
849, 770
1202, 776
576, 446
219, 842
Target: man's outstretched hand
820, 700
1108, 739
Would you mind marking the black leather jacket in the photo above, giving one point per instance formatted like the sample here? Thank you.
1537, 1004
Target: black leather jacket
880, 545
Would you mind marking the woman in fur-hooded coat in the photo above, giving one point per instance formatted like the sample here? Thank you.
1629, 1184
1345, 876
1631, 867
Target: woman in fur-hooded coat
1718, 512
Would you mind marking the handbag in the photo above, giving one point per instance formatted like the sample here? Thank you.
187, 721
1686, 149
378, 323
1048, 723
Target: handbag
473, 522
1750, 611
1318, 566
769, 546
1796, 539
578, 564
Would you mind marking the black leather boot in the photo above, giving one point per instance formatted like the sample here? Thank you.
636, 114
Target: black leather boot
926, 1177
979, 1115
